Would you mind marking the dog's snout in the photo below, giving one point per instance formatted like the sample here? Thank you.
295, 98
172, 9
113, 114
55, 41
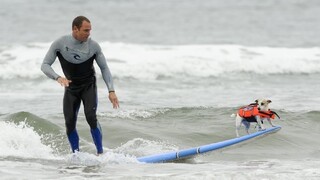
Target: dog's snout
258, 108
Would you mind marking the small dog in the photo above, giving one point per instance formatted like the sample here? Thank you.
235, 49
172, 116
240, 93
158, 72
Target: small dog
255, 112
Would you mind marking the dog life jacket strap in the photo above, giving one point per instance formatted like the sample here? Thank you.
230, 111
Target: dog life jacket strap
266, 114
252, 110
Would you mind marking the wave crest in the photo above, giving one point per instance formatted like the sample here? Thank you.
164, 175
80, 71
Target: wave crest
161, 61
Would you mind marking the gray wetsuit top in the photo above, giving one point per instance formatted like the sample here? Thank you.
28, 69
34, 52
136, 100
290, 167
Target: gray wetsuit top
76, 59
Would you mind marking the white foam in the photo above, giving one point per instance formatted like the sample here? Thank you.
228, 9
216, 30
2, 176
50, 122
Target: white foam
153, 61
21, 141
142, 147
109, 157
134, 114
23, 61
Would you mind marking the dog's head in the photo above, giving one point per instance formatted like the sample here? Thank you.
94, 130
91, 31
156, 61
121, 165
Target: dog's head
263, 104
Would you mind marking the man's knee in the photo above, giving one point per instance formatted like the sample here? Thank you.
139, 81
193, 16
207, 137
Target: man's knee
70, 126
91, 118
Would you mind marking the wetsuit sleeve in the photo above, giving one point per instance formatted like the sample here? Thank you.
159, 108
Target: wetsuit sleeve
102, 63
49, 60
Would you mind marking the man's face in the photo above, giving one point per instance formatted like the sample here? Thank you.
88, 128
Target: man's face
83, 33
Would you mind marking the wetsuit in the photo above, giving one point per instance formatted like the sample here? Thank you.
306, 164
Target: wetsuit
76, 59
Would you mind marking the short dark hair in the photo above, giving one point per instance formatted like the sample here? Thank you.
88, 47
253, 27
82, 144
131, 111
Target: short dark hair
78, 21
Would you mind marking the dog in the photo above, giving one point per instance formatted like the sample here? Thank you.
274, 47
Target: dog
256, 112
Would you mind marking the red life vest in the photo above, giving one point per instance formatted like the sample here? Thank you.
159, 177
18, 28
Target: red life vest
252, 110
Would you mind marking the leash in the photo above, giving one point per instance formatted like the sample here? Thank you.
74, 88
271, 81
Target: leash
269, 114
275, 114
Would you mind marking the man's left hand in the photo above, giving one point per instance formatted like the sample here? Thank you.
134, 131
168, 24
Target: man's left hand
114, 100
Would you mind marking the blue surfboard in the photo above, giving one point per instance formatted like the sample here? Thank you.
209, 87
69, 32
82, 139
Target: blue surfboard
186, 153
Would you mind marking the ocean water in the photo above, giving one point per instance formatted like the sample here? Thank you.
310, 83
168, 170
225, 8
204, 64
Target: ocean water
180, 69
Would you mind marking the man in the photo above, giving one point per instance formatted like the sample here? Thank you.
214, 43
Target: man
76, 53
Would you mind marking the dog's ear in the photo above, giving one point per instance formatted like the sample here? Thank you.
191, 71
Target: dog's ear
257, 100
269, 101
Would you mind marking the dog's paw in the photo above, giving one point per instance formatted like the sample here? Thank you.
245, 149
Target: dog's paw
233, 115
261, 129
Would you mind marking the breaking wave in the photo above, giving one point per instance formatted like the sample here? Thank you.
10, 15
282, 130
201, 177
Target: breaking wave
150, 62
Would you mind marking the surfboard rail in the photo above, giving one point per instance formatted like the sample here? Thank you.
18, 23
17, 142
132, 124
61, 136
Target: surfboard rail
175, 155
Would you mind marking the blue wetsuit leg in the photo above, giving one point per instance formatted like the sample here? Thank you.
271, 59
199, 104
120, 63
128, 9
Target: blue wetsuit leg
90, 103
71, 105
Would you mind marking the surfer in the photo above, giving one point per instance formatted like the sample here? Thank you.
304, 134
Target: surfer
76, 53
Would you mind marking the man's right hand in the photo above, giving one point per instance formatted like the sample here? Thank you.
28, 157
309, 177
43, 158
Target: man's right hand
64, 81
